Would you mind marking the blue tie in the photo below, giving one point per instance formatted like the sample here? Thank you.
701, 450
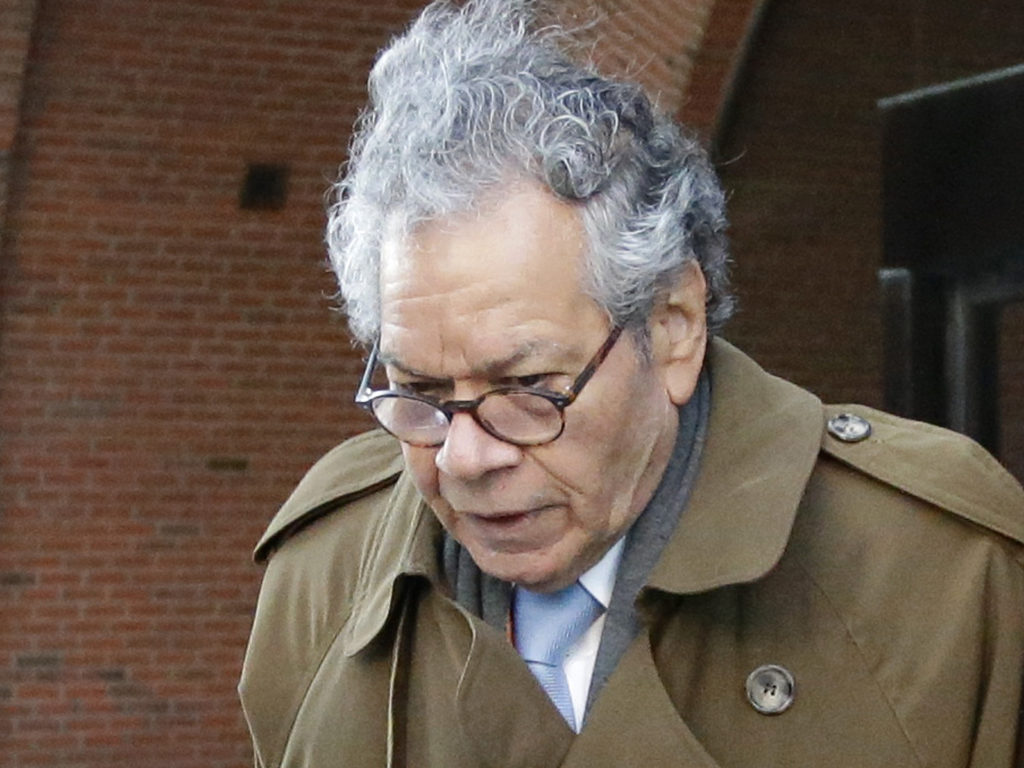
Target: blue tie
546, 626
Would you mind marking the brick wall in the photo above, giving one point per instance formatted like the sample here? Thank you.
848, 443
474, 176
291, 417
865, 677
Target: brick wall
718, 63
670, 33
15, 31
169, 363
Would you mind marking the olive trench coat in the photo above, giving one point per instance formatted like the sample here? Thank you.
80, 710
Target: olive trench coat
886, 576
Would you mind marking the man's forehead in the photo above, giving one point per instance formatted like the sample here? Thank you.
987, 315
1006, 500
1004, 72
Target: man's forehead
480, 293
526, 203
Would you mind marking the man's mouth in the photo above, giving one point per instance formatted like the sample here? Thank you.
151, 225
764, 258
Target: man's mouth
495, 515
506, 521
501, 518
509, 532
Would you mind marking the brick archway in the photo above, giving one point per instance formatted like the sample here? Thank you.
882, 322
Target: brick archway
718, 64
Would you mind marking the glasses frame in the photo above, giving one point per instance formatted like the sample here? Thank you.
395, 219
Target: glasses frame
366, 396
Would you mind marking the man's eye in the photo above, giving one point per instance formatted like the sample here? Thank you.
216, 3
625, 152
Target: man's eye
551, 382
433, 389
532, 381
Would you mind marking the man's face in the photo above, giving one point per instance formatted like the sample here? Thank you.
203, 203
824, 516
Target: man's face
491, 298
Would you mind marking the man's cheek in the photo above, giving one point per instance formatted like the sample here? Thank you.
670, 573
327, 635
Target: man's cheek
420, 463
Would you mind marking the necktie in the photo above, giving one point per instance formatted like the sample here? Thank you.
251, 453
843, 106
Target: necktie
546, 626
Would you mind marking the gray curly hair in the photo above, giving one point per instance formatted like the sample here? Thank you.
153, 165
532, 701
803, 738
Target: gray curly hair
472, 96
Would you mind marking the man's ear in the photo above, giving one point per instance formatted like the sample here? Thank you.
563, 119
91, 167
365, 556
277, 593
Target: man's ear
679, 333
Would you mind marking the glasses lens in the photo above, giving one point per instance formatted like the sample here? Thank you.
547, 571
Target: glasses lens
412, 421
521, 417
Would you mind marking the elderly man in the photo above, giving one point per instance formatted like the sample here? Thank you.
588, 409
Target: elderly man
587, 534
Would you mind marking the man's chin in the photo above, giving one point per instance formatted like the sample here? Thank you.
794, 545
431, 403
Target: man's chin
536, 572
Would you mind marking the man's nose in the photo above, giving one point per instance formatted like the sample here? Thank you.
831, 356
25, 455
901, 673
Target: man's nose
469, 452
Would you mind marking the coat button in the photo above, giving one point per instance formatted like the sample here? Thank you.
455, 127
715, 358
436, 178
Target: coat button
849, 427
770, 689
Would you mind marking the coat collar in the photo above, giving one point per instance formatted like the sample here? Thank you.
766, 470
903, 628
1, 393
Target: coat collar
404, 544
763, 439
764, 435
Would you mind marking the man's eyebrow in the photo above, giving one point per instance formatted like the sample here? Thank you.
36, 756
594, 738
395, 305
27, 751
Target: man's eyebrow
392, 362
487, 369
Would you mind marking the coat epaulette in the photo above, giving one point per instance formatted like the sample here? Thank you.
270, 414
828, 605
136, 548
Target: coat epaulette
937, 465
358, 467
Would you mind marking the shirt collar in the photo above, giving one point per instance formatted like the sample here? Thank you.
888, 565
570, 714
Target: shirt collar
599, 580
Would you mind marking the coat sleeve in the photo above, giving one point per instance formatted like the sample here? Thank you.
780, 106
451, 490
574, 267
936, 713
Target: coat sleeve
972, 657
1000, 723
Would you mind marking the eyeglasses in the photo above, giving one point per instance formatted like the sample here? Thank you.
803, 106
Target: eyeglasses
514, 414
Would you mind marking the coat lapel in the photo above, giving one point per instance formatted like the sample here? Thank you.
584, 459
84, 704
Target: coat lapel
505, 715
634, 723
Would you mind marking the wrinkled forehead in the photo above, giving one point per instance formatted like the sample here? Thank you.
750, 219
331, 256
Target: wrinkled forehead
519, 224
510, 274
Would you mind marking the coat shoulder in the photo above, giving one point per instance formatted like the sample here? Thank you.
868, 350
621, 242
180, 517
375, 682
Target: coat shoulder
933, 464
358, 467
